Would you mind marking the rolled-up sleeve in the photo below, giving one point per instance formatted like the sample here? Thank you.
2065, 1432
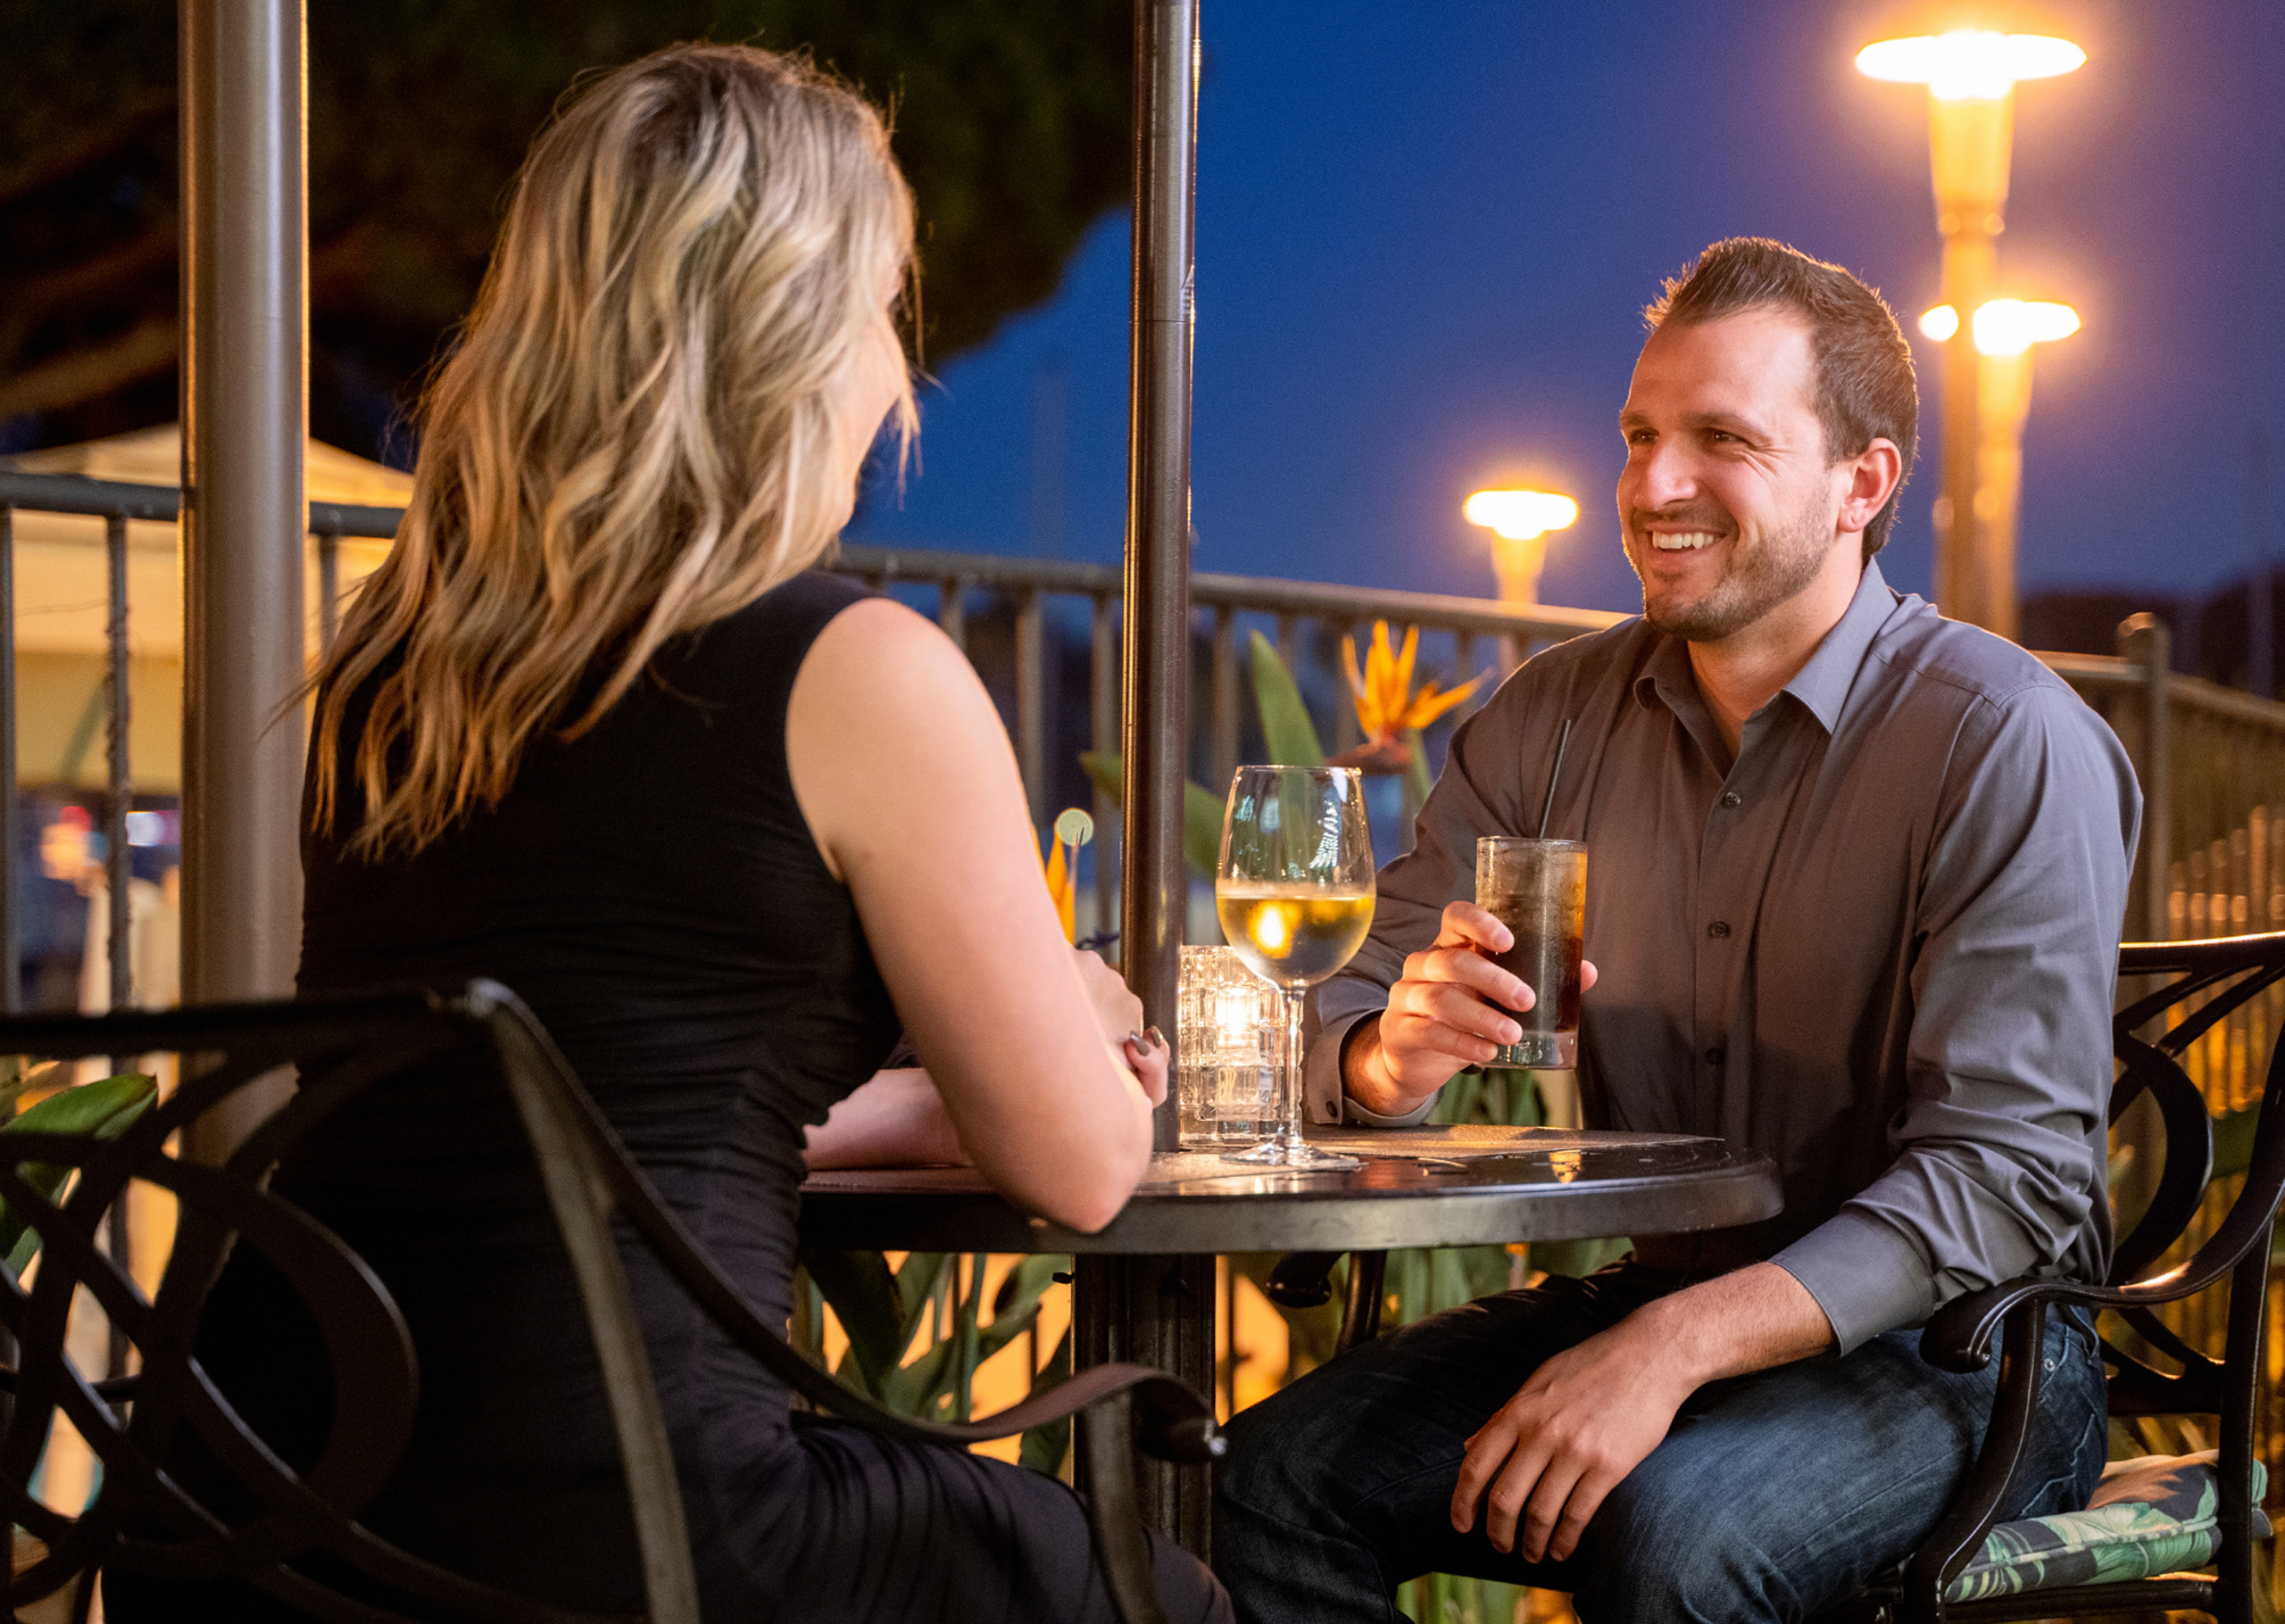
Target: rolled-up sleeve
1474, 796
1999, 1145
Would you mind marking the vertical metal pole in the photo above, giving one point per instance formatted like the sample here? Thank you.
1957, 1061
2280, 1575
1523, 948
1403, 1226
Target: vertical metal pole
1031, 703
12, 930
2146, 643
245, 416
1156, 720
1969, 143
1288, 645
119, 870
1969, 256
1158, 1310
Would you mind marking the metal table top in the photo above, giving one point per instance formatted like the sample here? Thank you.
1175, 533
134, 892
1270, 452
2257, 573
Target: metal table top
1419, 1186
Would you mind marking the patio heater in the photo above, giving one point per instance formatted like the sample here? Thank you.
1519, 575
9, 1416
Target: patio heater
245, 420
1116, 1302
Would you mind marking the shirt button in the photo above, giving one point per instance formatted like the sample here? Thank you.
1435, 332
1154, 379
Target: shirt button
1718, 929
1731, 797
1714, 1056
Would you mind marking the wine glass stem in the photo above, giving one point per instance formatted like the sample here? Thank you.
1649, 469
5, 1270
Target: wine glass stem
1289, 1088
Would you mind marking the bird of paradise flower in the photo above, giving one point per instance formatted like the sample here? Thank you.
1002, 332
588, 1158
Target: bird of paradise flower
1389, 713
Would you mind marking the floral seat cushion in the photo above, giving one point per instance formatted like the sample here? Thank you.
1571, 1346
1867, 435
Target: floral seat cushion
2157, 1515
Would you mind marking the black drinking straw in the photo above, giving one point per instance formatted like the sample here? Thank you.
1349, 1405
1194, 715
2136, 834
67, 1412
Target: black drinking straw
1562, 743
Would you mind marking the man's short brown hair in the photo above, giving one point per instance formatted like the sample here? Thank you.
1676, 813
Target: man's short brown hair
1865, 383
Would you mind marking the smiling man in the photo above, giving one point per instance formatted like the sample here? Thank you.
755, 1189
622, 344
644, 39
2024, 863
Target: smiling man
1857, 879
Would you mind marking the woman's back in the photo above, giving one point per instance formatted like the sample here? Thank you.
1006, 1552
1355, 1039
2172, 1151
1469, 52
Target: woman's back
650, 888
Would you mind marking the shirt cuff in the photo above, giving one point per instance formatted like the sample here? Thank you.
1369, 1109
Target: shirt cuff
1865, 1275
1327, 1101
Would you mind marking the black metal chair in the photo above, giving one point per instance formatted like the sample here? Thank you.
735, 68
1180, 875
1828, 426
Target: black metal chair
2225, 972
305, 1530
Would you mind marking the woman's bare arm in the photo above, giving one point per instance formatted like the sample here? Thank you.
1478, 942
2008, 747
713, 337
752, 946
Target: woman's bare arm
905, 775
895, 1119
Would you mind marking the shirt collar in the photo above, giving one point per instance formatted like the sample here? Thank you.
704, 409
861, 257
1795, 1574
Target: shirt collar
1822, 685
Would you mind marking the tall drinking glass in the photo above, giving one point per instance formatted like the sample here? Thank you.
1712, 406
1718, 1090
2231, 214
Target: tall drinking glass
1294, 891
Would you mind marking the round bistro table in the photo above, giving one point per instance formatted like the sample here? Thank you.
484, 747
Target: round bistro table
1418, 1186
1143, 1286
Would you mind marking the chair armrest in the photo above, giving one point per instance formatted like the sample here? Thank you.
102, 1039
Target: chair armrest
1958, 1338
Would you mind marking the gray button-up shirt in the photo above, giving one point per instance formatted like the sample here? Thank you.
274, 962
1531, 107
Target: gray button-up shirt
1879, 945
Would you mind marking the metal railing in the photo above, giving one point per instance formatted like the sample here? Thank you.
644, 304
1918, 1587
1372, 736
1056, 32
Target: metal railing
2207, 755
1220, 606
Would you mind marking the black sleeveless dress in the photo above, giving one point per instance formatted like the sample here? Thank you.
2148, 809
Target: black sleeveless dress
653, 892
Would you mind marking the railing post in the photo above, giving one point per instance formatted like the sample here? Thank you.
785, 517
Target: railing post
1103, 710
246, 426
1031, 704
1346, 732
329, 590
1225, 698
952, 610
12, 929
2146, 643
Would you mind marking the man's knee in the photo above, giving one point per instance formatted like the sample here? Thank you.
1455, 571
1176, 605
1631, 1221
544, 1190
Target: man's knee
1269, 1470
1660, 1553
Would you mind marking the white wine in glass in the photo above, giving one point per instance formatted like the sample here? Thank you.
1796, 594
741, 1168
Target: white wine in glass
1294, 891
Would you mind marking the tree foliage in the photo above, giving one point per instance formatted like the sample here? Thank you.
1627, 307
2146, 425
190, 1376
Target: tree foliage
1010, 119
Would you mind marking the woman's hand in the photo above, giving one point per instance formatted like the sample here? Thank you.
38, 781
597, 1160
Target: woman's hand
1118, 1014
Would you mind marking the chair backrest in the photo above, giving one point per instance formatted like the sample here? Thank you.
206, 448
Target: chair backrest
305, 1523
2179, 994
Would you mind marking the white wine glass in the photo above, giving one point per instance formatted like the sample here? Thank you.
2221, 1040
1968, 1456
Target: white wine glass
1294, 891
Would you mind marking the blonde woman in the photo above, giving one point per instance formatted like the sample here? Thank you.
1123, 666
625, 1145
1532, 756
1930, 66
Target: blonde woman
599, 730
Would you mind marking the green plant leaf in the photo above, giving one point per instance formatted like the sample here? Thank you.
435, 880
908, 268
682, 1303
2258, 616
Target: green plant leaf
916, 1388
965, 1354
862, 1293
1286, 730
1201, 812
102, 1109
1045, 1446
1016, 1307
2233, 1134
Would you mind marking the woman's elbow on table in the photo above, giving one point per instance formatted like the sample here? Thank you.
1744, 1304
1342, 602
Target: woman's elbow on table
1079, 1187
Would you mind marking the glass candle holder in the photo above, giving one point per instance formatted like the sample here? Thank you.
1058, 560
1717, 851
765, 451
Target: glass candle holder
1229, 1046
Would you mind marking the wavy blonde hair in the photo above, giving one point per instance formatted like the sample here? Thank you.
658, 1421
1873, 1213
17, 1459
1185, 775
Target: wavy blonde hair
635, 433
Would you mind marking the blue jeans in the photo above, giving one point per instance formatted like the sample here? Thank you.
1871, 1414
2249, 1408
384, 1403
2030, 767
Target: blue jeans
1776, 1495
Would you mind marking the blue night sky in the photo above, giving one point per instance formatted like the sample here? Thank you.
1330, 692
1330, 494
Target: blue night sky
1426, 233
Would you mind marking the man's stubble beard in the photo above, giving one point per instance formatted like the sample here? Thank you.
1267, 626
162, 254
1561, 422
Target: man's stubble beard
1752, 583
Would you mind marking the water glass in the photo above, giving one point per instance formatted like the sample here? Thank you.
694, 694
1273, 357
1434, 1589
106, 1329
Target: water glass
1229, 1044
